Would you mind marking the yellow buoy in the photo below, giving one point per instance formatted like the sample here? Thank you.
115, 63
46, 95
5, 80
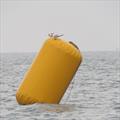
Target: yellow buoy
51, 72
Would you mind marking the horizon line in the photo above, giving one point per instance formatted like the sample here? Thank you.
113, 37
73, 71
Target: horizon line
80, 50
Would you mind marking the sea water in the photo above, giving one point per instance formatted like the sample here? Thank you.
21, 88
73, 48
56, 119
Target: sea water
94, 93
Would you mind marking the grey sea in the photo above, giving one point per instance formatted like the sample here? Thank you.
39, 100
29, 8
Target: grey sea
94, 93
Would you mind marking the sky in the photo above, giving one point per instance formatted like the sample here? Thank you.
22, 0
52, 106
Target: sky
93, 25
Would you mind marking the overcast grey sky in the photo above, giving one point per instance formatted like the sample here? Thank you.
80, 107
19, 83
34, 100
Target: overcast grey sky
92, 25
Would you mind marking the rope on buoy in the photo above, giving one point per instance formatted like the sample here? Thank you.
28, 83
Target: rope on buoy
70, 91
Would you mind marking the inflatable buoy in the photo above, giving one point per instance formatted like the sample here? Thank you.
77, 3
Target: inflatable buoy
51, 72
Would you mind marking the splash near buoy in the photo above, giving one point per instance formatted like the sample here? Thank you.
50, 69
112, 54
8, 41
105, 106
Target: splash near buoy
50, 73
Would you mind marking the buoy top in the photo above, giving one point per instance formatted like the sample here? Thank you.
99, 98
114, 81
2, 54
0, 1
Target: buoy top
68, 47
